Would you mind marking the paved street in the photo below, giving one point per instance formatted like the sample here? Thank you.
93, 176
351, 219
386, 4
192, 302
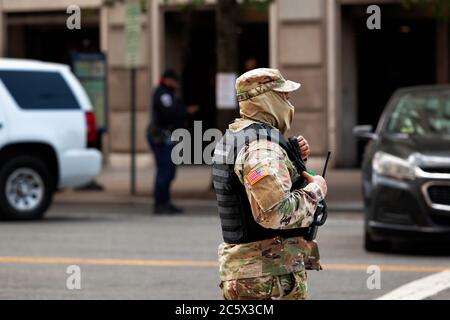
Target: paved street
126, 253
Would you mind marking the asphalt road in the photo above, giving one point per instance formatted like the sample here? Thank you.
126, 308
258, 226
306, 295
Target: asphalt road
124, 252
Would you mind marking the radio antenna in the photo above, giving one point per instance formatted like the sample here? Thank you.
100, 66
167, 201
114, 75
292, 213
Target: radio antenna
326, 164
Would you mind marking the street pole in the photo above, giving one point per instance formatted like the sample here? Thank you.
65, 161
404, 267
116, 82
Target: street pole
227, 14
132, 28
133, 131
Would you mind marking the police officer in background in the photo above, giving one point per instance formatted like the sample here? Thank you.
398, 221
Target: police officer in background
264, 218
168, 113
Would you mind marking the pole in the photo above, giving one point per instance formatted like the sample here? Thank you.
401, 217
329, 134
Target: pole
227, 20
133, 132
132, 28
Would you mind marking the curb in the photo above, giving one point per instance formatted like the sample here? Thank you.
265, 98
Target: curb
185, 198
353, 206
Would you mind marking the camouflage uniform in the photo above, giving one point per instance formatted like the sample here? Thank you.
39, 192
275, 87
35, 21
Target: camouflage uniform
286, 287
267, 269
273, 268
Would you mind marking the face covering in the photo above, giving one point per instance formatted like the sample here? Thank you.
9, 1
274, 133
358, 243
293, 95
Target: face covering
272, 108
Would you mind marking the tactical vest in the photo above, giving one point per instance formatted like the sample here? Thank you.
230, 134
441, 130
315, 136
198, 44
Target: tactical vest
238, 224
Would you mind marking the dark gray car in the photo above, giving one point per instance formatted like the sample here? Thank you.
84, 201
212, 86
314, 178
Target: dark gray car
406, 169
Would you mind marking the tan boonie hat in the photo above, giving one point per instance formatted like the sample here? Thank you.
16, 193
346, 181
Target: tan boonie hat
258, 81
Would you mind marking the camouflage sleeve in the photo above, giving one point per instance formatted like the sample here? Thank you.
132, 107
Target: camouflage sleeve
267, 173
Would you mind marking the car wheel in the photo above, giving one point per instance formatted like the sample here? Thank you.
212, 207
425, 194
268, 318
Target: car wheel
372, 245
26, 188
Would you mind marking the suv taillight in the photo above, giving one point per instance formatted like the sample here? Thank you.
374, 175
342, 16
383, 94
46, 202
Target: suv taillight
91, 127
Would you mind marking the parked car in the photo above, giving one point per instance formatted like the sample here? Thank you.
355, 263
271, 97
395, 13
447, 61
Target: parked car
46, 128
406, 169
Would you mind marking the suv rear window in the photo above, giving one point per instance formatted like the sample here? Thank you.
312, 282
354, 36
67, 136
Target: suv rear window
39, 90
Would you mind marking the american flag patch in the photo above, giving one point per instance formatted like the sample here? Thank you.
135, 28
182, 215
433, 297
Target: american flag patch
257, 174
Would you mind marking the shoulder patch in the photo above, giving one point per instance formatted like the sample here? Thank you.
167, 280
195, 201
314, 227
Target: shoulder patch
166, 100
257, 174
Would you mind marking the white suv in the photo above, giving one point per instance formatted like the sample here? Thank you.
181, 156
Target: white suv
46, 128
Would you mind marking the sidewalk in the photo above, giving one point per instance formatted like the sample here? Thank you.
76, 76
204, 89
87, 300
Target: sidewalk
194, 183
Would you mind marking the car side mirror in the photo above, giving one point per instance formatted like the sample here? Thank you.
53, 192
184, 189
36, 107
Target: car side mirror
364, 132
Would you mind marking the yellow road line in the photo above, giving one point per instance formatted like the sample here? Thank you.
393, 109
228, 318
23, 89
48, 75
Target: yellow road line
109, 262
386, 268
201, 264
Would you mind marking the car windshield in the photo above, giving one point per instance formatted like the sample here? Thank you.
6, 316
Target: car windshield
424, 114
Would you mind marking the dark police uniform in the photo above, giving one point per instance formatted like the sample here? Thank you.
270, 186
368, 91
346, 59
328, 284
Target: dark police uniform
168, 114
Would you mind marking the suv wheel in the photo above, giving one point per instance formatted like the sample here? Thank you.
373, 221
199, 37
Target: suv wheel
26, 188
372, 245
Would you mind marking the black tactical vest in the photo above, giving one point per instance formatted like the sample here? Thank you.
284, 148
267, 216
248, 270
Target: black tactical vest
238, 224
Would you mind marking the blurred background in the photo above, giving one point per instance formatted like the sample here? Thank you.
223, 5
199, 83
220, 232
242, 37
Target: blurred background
348, 73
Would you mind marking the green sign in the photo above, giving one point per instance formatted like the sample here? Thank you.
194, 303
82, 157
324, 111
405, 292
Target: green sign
90, 69
132, 30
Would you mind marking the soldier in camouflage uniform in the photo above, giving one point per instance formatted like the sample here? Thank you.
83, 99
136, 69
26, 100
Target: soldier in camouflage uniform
272, 268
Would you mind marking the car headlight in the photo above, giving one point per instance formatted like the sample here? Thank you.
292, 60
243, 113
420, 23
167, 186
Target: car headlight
391, 166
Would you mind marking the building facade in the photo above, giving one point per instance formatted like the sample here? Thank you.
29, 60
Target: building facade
347, 70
